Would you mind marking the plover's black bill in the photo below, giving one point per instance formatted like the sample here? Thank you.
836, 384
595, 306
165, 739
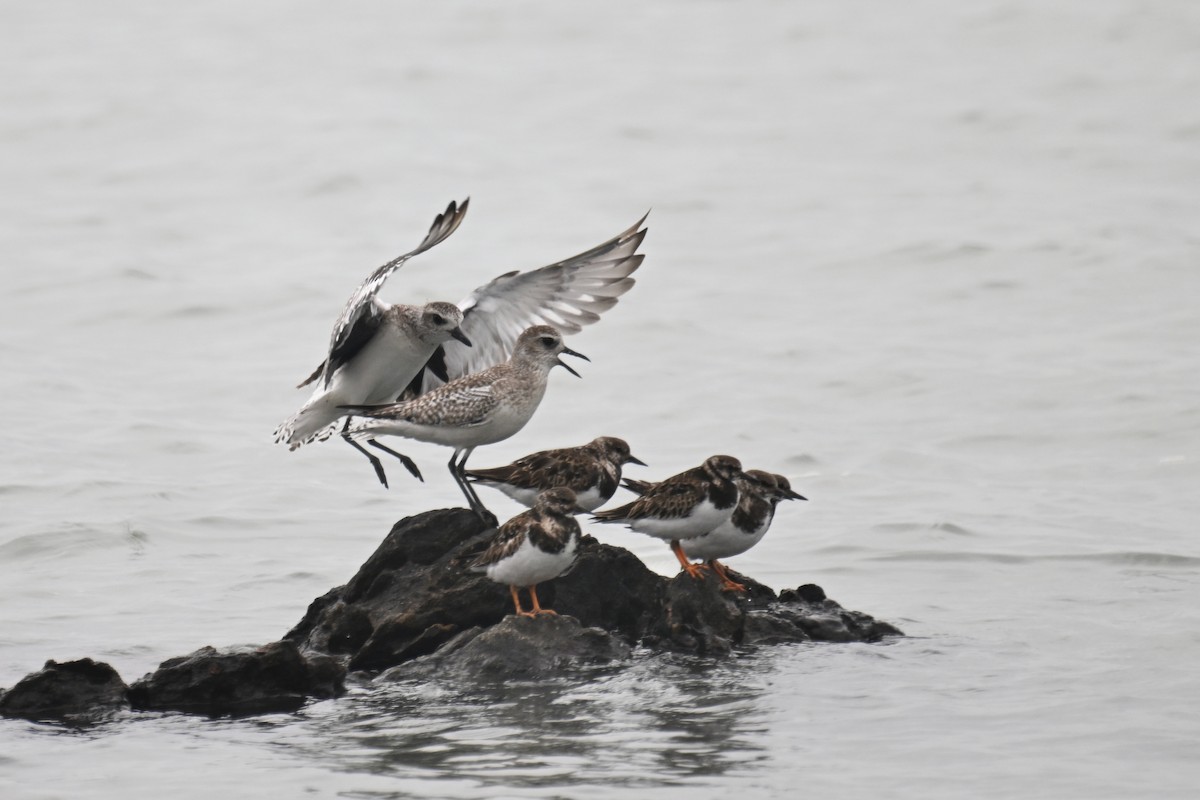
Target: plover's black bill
462, 337
566, 351
632, 459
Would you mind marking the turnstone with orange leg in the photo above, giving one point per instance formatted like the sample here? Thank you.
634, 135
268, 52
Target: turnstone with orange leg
759, 494
483, 408
382, 354
592, 471
533, 547
683, 506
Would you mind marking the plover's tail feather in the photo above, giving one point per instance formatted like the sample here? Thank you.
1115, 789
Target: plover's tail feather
315, 422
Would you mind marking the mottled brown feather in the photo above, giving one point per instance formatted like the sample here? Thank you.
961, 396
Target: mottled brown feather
673, 498
548, 530
579, 468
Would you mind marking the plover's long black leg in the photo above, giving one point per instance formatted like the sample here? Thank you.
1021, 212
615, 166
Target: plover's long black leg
408, 463
374, 461
462, 474
476, 505
453, 466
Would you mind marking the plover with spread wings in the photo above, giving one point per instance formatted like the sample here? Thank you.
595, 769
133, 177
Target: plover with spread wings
533, 547
380, 353
683, 506
759, 494
481, 408
376, 349
592, 471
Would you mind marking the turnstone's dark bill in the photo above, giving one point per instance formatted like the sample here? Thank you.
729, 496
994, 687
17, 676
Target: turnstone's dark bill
379, 353
683, 506
593, 471
483, 408
760, 493
533, 547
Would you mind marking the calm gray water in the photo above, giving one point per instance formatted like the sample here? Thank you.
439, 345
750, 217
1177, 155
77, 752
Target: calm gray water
935, 262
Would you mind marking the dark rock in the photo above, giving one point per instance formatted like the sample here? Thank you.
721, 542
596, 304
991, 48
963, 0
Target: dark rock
517, 648
73, 691
416, 596
411, 594
609, 588
816, 617
699, 617
238, 680
808, 593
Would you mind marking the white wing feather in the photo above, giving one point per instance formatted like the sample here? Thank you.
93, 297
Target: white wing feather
568, 295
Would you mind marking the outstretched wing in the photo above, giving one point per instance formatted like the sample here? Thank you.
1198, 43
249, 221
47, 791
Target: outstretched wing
363, 314
568, 295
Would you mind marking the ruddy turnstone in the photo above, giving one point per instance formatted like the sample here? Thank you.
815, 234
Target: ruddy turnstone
759, 494
592, 471
683, 506
381, 354
478, 409
534, 546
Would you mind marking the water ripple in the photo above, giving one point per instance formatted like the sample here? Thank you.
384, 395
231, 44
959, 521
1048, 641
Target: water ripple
1126, 559
663, 721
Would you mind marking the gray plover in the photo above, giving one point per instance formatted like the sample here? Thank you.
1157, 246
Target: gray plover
478, 409
388, 362
683, 506
759, 494
376, 350
533, 547
592, 471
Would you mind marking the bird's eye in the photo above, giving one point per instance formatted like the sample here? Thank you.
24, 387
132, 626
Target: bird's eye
438, 319
547, 342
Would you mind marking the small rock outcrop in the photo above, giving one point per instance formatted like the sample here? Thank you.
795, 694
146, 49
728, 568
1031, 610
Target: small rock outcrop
73, 691
238, 680
416, 609
415, 596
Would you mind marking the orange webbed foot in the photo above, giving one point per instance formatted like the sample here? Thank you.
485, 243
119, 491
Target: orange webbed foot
728, 584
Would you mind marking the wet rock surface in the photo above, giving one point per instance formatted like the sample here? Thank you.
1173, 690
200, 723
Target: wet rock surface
416, 609
74, 691
238, 680
516, 647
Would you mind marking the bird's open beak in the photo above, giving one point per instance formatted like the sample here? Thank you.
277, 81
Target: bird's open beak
462, 337
566, 351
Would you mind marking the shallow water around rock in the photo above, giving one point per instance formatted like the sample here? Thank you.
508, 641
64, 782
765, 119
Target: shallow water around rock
935, 262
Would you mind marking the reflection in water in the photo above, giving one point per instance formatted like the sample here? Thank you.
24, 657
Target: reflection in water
664, 721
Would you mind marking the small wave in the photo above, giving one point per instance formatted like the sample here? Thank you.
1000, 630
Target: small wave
909, 527
1124, 559
72, 538
194, 311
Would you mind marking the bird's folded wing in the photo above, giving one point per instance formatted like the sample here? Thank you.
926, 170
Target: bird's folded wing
508, 540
